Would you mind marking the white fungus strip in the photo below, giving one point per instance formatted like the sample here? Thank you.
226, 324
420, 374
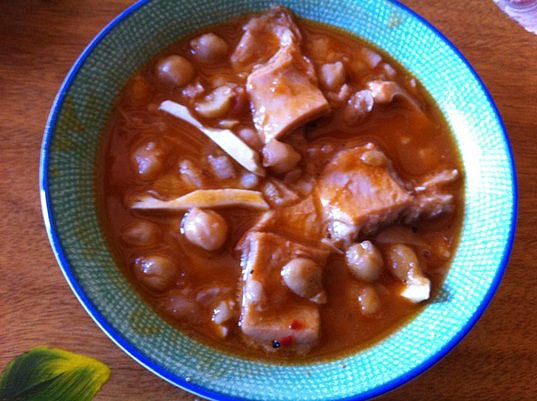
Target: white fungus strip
204, 198
226, 139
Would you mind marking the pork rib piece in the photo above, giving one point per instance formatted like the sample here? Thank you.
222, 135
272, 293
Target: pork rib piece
272, 315
282, 85
359, 191
263, 37
300, 221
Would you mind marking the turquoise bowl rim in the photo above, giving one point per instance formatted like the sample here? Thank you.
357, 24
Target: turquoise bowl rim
181, 382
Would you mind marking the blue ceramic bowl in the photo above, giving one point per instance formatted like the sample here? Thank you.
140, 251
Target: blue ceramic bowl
67, 185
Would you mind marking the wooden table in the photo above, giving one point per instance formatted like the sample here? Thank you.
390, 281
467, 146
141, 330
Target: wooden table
39, 40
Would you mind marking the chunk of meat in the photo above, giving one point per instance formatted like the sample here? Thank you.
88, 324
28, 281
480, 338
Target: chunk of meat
263, 36
267, 320
356, 196
282, 85
428, 205
300, 222
437, 179
359, 192
284, 94
398, 234
430, 201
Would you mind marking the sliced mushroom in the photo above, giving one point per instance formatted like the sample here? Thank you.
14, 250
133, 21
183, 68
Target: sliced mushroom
226, 139
203, 198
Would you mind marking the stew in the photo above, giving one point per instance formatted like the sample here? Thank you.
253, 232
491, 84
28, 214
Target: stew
281, 189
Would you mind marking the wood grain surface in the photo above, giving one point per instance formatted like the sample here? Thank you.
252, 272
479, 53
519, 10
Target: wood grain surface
39, 41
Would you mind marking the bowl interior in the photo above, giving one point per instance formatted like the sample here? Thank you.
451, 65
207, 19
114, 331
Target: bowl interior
68, 193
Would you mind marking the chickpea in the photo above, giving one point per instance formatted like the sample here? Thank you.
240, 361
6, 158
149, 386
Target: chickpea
369, 301
216, 104
280, 157
371, 58
148, 160
249, 180
178, 306
304, 277
405, 266
175, 70
389, 71
155, 272
209, 48
364, 261
205, 228
292, 176
403, 262
251, 138
384, 91
224, 311
239, 102
332, 76
139, 91
358, 106
140, 233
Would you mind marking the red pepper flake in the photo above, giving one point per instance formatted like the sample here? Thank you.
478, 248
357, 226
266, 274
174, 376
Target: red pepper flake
295, 325
286, 340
